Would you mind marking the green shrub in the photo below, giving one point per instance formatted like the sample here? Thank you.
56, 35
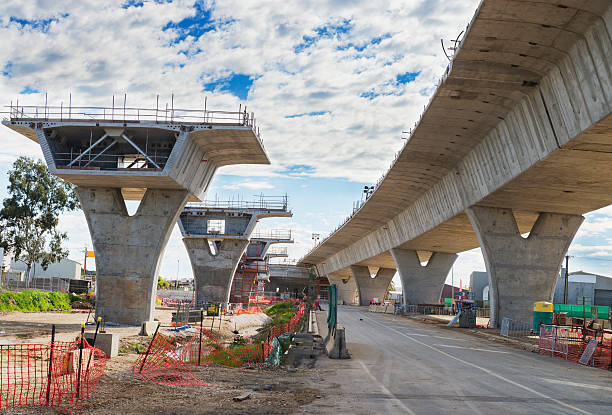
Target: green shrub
34, 300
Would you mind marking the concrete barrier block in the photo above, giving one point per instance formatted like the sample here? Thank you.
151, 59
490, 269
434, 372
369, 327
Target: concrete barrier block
336, 345
390, 309
372, 308
148, 328
107, 342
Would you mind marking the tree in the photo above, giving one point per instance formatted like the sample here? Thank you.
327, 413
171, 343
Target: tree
29, 216
390, 288
162, 284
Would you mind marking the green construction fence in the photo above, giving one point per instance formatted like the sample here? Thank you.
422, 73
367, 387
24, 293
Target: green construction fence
580, 311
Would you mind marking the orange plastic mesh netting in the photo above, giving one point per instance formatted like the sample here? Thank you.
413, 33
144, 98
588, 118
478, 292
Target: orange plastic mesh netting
55, 375
162, 364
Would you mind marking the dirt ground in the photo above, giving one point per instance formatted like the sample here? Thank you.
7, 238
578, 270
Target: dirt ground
19, 327
272, 390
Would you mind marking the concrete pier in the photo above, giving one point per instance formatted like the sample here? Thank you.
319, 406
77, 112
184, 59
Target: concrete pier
347, 290
422, 284
521, 270
213, 272
370, 288
216, 237
128, 248
139, 155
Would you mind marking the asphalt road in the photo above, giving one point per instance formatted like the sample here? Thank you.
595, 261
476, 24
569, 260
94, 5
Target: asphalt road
401, 366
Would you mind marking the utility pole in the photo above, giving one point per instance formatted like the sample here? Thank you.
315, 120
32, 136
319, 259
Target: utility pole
453, 283
566, 279
178, 266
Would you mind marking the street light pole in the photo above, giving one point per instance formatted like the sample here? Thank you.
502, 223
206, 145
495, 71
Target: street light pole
566, 279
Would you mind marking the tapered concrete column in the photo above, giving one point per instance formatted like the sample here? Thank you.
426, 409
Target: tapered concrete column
214, 272
347, 288
128, 248
369, 287
422, 284
521, 270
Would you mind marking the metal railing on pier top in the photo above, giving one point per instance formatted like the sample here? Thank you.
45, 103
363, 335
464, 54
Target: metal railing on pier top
284, 234
131, 115
261, 202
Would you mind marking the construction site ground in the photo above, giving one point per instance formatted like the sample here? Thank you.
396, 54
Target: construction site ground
398, 365
273, 390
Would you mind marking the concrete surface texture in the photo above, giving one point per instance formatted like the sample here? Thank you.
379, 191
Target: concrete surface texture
229, 230
370, 288
521, 120
214, 272
422, 284
401, 366
287, 278
521, 270
347, 290
128, 248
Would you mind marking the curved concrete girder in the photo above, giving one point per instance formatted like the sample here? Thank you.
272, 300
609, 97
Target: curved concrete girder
521, 270
369, 287
128, 248
422, 284
346, 288
214, 274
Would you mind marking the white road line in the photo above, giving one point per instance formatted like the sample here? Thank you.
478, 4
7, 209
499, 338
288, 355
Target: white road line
488, 371
385, 390
579, 385
470, 348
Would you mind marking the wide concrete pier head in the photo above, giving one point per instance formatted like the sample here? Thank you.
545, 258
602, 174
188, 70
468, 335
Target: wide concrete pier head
521, 270
422, 284
141, 155
216, 235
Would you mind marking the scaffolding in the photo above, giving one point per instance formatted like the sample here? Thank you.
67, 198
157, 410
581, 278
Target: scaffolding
246, 283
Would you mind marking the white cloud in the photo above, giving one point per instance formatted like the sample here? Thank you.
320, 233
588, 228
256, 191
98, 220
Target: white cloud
254, 185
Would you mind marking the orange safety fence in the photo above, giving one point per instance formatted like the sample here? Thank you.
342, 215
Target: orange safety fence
162, 364
570, 342
249, 310
59, 374
167, 364
204, 348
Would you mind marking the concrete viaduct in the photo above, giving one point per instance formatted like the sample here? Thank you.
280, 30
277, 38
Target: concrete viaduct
516, 139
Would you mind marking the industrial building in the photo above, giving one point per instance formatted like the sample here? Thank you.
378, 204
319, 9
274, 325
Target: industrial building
66, 268
583, 288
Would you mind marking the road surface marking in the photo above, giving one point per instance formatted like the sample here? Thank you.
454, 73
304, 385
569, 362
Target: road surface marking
487, 371
580, 385
385, 390
470, 348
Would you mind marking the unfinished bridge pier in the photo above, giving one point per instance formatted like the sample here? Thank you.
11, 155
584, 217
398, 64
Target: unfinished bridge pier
160, 158
422, 284
217, 234
521, 270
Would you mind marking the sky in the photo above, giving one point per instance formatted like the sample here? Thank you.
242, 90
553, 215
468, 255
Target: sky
332, 84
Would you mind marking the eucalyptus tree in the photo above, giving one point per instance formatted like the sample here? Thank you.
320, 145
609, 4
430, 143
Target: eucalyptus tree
30, 215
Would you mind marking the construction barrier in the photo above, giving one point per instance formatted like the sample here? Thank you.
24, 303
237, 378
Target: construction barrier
570, 342
59, 374
167, 364
162, 364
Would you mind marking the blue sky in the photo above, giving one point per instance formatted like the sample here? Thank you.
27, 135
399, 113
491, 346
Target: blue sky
332, 85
